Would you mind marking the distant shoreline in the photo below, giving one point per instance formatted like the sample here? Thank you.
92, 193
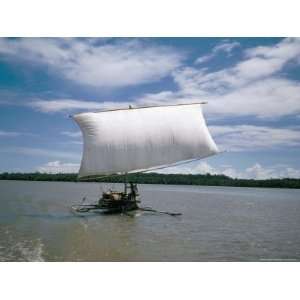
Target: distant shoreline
156, 178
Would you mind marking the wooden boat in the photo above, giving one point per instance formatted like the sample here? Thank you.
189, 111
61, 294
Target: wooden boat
139, 139
114, 201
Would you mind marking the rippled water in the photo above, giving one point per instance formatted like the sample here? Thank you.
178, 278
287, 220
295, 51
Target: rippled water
218, 224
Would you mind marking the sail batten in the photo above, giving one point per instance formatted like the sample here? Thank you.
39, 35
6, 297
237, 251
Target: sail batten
119, 141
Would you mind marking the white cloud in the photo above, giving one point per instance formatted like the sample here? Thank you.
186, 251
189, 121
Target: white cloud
73, 134
259, 172
287, 49
8, 133
226, 46
253, 138
40, 152
257, 64
271, 98
256, 171
189, 168
90, 62
75, 142
4, 133
58, 167
254, 86
59, 105
203, 59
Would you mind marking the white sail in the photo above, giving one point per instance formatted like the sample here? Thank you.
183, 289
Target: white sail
133, 139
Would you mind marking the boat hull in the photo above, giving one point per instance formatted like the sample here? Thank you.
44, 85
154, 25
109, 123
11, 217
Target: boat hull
117, 206
113, 202
107, 207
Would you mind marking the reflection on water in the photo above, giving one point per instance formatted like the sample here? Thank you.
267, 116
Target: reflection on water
218, 224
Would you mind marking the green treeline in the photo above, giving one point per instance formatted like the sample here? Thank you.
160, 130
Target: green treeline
155, 178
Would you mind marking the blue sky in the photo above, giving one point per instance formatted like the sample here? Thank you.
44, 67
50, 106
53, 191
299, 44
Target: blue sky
252, 86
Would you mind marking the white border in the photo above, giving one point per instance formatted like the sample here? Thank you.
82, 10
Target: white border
149, 281
149, 18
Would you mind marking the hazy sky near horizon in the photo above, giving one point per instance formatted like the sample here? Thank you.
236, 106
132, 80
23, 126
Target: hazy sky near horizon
252, 86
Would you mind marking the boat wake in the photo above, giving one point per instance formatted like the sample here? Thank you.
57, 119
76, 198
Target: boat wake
31, 250
25, 250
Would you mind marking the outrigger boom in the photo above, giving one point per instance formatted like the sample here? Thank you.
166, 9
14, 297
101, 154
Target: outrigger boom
118, 202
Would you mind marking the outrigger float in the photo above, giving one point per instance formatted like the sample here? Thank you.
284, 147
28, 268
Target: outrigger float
113, 202
139, 139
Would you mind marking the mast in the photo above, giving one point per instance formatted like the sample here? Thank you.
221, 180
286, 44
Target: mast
125, 183
126, 177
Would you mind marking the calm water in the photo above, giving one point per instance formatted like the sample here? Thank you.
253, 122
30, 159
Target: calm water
218, 224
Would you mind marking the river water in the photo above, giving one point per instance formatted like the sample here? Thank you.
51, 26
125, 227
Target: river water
218, 224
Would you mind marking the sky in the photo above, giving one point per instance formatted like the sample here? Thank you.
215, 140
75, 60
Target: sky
252, 86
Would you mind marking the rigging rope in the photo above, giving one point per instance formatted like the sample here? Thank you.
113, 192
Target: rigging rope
146, 170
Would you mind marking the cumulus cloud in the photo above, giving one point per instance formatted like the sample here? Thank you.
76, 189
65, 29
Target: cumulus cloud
259, 172
75, 137
57, 166
5, 133
257, 64
253, 138
63, 105
8, 133
255, 86
226, 46
94, 63
72, 134
201, 167
40, 152
271, 98
256, 171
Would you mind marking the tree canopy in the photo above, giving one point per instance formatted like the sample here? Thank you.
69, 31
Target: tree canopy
155, 178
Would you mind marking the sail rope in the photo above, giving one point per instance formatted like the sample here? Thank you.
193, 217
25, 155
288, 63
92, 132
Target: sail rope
146, 170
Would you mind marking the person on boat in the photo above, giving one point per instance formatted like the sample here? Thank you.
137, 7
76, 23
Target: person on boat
133, 191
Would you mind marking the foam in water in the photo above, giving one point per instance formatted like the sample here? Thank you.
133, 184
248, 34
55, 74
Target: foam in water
32, 251
25, 250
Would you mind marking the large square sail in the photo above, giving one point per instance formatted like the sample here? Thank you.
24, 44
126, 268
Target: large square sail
126, 140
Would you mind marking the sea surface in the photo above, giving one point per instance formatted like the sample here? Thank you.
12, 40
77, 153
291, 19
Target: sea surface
217, 224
